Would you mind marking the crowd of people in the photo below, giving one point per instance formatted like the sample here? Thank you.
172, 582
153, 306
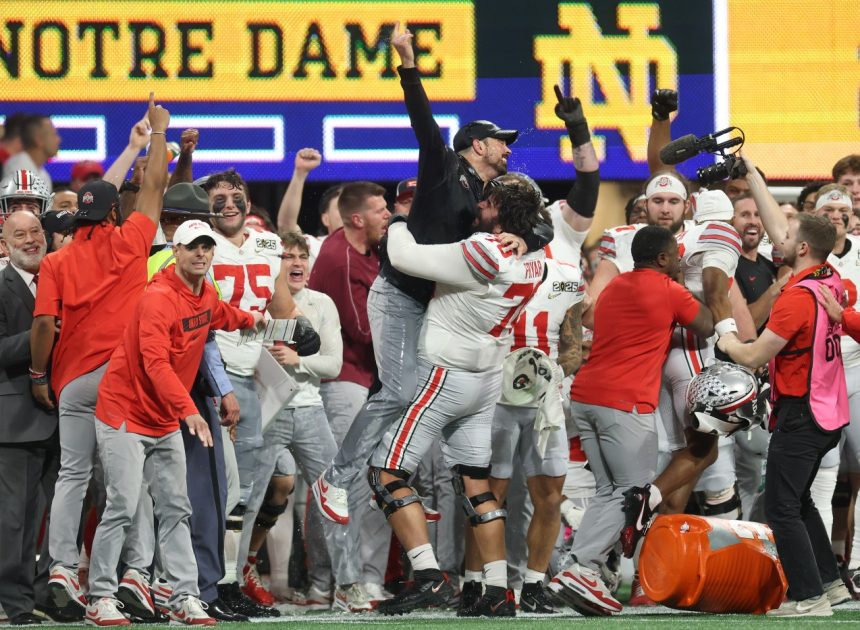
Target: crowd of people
476, 412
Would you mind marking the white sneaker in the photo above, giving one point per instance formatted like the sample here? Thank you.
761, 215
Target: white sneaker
812, 607
837, 593
191, 612
134, 593
583, 589
351, 598
332, 501
314, 599
65, 588
105, 611
161, 594
375, 593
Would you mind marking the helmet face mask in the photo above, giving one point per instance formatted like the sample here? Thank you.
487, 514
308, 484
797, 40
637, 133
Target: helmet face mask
724, 398
23, 185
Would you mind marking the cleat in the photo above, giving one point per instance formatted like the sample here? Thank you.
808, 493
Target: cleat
253, 586
104, 612
637, 594
236, 600
418, 595
638, 518
134, 593
333, 502
495, 602
470, 594
583, 590
534, 599
191, 612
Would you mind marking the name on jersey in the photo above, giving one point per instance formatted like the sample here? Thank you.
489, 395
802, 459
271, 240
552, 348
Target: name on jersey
266, 244
197, 321
534, 268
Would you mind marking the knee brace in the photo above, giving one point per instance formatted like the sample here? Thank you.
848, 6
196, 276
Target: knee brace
722, 504
841, 494
470, 503
269, 513
382, 492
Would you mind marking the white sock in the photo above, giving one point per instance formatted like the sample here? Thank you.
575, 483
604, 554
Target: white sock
496, 573
474, 576
534, 576
655, 498
421, 557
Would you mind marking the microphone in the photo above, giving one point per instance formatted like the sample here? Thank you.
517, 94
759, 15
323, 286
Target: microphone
681, 149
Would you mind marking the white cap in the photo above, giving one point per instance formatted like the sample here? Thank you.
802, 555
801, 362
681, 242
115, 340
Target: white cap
665, 184
834, 198
190, 231
712, 205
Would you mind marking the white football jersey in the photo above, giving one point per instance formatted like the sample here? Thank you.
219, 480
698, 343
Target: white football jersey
539, 325
471, 328
566, 245
849, 268
616, 243
246, 276
700, 241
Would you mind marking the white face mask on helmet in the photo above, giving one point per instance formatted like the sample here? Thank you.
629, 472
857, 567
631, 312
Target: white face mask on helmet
23, 185
724, 398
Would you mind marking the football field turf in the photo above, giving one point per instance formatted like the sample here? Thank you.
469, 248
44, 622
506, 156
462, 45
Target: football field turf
845, 616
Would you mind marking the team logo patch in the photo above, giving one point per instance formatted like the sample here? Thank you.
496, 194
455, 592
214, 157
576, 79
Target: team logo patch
196, 321
835, 196
87, 198
663, 182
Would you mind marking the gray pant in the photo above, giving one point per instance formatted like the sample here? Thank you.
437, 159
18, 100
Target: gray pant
306, 433
622, 452
363, 544
129, 460
395, 321
249, 434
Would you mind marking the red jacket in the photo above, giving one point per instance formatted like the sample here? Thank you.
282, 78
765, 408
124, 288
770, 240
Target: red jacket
150, 374
851, 323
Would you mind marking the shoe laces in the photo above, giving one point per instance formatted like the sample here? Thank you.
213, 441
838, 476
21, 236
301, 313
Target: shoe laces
252, 576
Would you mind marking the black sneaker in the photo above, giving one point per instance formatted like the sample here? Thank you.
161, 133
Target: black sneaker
235, 599
638, 517
469, 595
418, 595
534, 599
495, 602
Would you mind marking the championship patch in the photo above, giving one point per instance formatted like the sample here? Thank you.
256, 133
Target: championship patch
265, 244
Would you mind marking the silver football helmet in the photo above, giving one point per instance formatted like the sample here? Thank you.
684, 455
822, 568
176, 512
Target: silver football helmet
724, 398
26, 185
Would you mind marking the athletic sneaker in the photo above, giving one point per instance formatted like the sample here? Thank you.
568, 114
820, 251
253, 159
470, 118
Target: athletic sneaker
495, 602
233, 596
191, 612
351, 598
837, 593
470, 594
583, 589
65, 589
161, 594
375, 593
853, 582
134, 594
253, 586
534, 599
314, 599
417, 595
638, 518
637, 594
812, 607
332, 501
105, 611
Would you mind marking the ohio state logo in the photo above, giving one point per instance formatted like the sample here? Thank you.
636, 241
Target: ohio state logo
663, 181
835, 196
87, 198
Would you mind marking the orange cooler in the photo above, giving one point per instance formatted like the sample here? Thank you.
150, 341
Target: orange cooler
711, 565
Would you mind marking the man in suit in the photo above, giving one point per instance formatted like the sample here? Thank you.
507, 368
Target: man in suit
28, 433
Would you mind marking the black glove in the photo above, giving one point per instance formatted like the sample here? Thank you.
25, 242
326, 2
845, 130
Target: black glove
663, 103
569, 109
305, 338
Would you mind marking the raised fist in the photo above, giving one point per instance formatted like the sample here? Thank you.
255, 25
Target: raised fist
663, 103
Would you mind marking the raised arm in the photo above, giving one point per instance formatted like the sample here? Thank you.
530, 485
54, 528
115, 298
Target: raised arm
663, 103
184, 167
774, 221
137, 140
150, 200
288, 214
440, 263
578, 213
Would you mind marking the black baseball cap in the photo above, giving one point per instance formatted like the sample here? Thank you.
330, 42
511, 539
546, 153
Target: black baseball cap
480, 129
95, 201
58, 222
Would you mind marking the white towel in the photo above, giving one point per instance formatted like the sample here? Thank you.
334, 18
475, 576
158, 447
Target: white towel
531, 379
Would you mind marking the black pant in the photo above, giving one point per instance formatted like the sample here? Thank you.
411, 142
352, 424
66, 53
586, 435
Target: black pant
796, 448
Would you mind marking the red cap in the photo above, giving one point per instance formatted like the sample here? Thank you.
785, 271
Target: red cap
87, 169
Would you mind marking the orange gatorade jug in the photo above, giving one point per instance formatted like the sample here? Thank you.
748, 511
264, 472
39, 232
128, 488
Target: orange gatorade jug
711, 565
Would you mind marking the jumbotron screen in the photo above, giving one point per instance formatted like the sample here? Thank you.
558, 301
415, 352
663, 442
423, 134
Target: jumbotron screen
263, 79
